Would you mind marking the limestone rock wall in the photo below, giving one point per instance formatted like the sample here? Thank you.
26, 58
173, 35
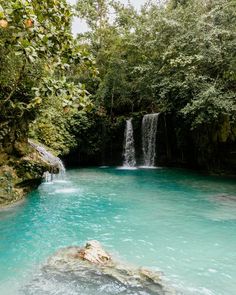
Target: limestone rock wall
21, 165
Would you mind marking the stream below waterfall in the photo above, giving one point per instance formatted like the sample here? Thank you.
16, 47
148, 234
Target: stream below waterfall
176, 221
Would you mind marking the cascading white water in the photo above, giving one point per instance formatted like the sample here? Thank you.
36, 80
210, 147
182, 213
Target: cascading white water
54, 161
149, 131
129, 150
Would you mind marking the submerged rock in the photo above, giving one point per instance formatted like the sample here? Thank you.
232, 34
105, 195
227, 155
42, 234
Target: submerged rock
91, 270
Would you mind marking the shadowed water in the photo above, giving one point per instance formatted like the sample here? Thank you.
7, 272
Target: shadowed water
175, 221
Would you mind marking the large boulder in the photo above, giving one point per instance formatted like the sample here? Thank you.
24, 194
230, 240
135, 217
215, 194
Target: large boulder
91, 270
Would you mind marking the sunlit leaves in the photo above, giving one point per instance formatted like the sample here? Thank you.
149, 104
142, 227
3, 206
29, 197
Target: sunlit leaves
35, 34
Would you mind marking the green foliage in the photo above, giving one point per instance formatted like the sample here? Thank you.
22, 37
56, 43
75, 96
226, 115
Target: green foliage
41, 65
177, 58
95, 12
52, 127
36, 50
58, 120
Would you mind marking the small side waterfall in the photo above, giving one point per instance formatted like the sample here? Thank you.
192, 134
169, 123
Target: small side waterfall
57, 167
149, 131
129, 151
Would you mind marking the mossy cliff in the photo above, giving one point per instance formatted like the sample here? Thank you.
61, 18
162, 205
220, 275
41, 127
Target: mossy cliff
21, 165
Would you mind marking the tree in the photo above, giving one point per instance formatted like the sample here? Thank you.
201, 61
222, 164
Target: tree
37, 51
177, 58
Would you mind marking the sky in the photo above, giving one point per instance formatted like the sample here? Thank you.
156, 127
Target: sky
79, 26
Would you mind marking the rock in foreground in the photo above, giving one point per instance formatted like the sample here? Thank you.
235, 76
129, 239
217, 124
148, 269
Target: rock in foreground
91, 270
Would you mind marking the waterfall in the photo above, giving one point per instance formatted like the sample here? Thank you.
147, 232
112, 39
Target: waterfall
129, 151
149, 131
57, 167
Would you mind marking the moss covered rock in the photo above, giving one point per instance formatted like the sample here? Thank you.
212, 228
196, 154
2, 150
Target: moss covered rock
21, 171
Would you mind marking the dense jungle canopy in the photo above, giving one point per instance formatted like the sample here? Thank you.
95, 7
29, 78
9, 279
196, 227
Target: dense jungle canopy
176, 57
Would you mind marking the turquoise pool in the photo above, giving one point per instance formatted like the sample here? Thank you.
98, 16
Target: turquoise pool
173, 220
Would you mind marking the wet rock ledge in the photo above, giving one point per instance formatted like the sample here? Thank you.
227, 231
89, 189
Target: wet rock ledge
91, 270
22, 167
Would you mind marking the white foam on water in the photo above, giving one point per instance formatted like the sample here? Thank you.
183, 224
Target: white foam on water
61, 181
66, 190
149, 167
126, 168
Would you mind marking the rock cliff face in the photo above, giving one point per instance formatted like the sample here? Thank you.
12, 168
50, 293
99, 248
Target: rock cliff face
21, 165
20, 174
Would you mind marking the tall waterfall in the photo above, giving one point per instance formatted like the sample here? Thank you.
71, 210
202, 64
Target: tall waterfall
149, 131
129, 151
57, 167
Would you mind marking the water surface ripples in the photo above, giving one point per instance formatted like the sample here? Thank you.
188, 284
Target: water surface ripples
179, 222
